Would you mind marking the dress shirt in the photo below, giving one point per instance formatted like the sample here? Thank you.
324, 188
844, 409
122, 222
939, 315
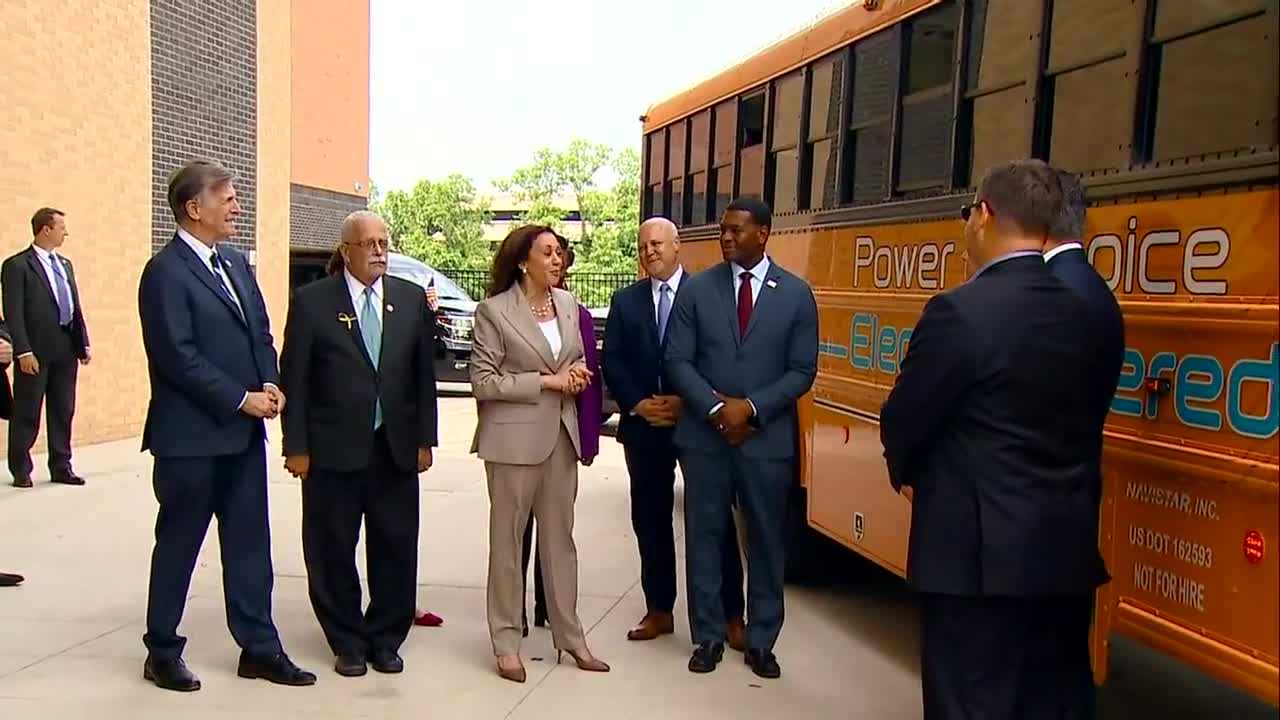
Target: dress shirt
1073, 245
47, 259
758, 274
356, 289
656, 287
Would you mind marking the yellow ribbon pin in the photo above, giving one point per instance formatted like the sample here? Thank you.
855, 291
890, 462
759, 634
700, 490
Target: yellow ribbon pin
345, 318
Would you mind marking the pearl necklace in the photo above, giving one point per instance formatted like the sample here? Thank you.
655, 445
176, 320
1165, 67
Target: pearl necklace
543, 310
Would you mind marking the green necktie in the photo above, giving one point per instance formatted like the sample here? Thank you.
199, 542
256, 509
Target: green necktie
371, 331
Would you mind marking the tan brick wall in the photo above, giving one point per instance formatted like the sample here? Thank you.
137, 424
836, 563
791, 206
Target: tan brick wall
75, 133
274, 118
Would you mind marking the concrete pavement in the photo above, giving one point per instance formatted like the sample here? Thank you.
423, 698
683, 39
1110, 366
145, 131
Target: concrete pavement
70, 637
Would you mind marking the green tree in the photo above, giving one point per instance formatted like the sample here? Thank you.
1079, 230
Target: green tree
609, 216
440, 222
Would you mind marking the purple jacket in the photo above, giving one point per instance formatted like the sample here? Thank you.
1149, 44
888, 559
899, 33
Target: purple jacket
590, 401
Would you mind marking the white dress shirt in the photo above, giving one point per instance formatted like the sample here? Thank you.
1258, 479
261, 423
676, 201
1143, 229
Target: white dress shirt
1073, 245
551, 331
356, 289
656, 287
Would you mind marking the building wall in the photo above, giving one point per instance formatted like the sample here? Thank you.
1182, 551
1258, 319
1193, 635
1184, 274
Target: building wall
329, 170
204, 100
100, 103
75, 134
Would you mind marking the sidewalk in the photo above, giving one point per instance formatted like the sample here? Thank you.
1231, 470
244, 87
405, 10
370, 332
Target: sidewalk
70, 637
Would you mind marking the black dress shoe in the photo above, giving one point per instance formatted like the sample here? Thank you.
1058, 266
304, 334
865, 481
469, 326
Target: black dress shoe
350, 665
170, 674
22, 482
706, 657
278, 669
763, 663
387, 661
68, 479
10, 579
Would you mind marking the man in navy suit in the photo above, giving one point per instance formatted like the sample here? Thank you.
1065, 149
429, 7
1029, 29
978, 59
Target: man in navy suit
214, 379
634, 338
742, 348
1064, 254
992, 425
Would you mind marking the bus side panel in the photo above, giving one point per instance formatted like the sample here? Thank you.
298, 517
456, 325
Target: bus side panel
853, 502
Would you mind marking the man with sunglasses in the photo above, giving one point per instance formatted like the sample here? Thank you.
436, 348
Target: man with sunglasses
991, 423
359, 427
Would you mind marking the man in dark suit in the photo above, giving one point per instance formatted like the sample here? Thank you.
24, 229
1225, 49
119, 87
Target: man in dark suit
1064, 254
359, 427
992, 427
634, 339
6, 408
213, 376
742, 348
46, 321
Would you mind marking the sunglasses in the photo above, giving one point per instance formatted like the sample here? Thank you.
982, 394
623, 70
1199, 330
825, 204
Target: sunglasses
967, 209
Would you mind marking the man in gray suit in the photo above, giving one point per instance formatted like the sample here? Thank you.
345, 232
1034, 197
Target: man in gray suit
742, 347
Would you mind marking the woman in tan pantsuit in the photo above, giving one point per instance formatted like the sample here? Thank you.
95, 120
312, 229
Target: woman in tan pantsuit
526, 367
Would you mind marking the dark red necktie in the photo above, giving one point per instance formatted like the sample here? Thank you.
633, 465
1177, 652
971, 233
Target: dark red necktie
744, 304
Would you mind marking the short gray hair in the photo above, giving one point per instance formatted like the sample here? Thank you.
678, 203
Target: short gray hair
1070, 222
352, 221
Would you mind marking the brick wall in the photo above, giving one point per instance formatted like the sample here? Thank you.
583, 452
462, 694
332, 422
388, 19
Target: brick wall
204, 101
316, 215
75, 133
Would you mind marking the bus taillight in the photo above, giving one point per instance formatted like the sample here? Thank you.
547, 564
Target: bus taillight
1254, 546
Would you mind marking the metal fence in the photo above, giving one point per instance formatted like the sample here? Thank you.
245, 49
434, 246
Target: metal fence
593, 289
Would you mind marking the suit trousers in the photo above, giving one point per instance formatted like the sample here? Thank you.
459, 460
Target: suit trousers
652, 469
549, 489
333, 506
711, 482
55, 387
1005, 658
191, 491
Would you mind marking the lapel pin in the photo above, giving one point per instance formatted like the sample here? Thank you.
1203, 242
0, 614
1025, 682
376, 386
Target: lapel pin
345, 318
391, 308
771, 283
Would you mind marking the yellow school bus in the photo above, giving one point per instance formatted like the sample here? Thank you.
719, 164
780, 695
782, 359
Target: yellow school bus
866, 132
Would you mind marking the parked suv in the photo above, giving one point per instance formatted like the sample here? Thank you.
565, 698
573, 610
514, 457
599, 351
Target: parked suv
455, 316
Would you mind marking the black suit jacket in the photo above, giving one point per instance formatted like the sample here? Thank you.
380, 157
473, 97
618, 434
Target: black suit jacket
201, 356
6, 392
632, 361
330, 383
1073, 268
31, 308
992, 422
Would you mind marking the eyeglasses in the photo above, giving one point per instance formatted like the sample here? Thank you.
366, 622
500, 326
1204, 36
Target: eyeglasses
381, 244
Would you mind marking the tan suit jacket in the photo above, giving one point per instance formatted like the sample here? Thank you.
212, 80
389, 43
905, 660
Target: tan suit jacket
519, 422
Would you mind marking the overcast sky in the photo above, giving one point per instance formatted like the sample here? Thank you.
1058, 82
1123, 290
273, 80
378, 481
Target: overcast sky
476, 86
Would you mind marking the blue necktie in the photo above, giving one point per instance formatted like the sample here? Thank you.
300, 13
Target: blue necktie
63, 291
664, 310
371, 331
214, 262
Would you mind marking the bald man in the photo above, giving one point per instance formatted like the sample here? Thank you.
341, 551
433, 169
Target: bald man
634, 341
359, 427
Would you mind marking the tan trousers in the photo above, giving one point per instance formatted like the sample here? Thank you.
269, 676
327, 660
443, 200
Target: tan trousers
550, 490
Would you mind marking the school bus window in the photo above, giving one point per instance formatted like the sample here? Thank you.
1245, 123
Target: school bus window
657, 159
1211, 73
723, 150
1000, 61
927, 104
826, 95
784, 151
875, 89
675, 171
751, 146
699, 150
1092, 85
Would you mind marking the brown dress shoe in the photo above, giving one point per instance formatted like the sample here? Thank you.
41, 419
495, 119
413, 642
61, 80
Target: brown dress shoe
653, 625
737, 635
